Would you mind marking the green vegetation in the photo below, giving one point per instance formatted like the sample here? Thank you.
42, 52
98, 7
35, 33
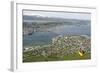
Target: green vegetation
75, 56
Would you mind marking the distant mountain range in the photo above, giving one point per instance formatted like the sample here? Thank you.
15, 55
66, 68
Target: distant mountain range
38, 18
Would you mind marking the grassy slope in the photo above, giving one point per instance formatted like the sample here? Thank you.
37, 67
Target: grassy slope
75, 56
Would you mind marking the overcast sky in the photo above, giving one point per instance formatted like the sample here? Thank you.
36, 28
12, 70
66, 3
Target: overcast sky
68, 15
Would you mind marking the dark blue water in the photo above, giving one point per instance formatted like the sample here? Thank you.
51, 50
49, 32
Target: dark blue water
72, 30
45, 37
38, 38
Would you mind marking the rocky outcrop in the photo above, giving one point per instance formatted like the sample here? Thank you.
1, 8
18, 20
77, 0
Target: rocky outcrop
62, 45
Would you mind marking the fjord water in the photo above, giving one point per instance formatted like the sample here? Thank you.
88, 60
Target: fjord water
45, 37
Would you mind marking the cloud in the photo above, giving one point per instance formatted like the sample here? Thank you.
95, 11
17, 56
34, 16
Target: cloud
68, 15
